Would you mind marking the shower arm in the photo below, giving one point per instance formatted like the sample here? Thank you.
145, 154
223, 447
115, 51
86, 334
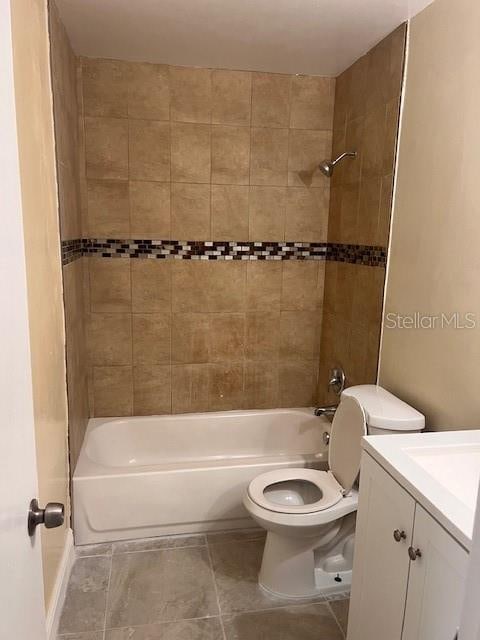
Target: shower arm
347, 154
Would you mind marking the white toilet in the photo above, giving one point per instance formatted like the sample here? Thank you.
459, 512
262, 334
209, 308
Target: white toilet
309, 514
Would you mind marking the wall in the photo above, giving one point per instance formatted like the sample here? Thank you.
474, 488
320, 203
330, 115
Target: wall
203, 155
44, 280
366, 121
434, 265
67, 139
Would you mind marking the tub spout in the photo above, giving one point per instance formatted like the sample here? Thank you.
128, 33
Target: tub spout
325, 411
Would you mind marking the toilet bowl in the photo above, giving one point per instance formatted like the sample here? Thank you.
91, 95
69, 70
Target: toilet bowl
309, 514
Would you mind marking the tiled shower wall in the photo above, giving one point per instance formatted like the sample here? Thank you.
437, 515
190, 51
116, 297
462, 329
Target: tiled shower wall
366, 117
66, 117
215, 161
203, 155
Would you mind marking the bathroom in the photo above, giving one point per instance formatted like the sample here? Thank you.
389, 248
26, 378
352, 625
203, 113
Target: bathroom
241, 239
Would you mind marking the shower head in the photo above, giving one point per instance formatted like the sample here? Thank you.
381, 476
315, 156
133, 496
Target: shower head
327, 166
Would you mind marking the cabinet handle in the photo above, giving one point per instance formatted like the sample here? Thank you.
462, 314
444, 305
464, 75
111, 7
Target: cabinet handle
414, 553
399, 535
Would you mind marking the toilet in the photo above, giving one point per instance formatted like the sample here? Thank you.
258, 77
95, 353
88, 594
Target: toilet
309, 514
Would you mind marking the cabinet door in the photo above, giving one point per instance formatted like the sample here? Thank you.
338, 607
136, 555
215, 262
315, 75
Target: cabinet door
436, 582
380, 567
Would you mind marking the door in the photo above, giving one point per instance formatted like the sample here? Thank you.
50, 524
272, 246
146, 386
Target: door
380, 567
436, 583
22, 613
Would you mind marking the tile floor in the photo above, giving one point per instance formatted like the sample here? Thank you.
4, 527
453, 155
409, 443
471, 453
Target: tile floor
201, 587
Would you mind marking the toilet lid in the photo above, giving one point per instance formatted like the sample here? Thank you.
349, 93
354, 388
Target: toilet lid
345, 449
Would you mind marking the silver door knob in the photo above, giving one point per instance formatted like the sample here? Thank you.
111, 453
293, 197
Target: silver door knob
52, 516
399, 535
414, 553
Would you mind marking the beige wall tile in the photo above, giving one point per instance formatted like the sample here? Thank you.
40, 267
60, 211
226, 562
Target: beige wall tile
227, 337
112, 391
358, 89
150, 209
226, 286
149, 91
300, 286
368, 211
312, 102
109, 338
225, 386
307, 150
149, 150
151, 286
307, 215
391, 132
264, 285
105, 87
261, 385
190, 338
299, 335
110, 289
354, 141
368, 295
191, 154
350, 197
262, 336
230, 155
374, 142
106, 148
190, 286
108, 211
385, 210
190, 211
191, 94
267, 209
229, 212
297, 383
269, 157
152, 390
271, 100
190, 384
151, 338
231, 97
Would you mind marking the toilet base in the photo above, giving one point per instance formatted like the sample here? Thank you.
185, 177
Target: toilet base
304, 567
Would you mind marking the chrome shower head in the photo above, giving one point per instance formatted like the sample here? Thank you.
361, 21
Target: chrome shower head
327, 166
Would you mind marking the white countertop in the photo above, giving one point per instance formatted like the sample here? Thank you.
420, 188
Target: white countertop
440, 470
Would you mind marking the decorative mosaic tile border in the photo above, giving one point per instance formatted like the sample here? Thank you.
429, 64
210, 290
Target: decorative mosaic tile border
217, 250
72, 250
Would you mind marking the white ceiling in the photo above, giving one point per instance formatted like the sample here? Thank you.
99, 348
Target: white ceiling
321, 37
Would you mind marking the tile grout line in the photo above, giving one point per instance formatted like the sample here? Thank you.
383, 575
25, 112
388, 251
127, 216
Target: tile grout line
330, 608
106, 596
212, 570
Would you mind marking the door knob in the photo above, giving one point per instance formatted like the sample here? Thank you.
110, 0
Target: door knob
414, 553
399, 535
52, 516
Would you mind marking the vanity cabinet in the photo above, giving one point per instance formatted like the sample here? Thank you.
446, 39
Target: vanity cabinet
408, 572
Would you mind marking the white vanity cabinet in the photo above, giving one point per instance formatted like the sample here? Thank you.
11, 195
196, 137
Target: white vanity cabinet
408, 572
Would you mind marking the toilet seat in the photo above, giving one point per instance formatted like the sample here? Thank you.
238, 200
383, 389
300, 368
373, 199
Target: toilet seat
281, 491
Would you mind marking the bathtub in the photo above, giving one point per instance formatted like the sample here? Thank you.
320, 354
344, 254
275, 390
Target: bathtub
162, 475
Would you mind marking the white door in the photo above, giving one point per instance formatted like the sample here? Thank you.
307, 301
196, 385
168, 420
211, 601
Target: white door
380, 567
436, 583
22, 615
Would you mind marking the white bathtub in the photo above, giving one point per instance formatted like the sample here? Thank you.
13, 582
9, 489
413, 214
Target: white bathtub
162, 475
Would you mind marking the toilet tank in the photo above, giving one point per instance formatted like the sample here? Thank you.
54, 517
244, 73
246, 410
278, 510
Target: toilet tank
384, 412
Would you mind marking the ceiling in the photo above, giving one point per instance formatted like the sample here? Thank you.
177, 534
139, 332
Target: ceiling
320, 37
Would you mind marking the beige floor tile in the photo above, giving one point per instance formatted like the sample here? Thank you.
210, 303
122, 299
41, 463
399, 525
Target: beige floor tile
155, 544
236, 575
157, 586
84, 608
340, 611
206, 629
304, 622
